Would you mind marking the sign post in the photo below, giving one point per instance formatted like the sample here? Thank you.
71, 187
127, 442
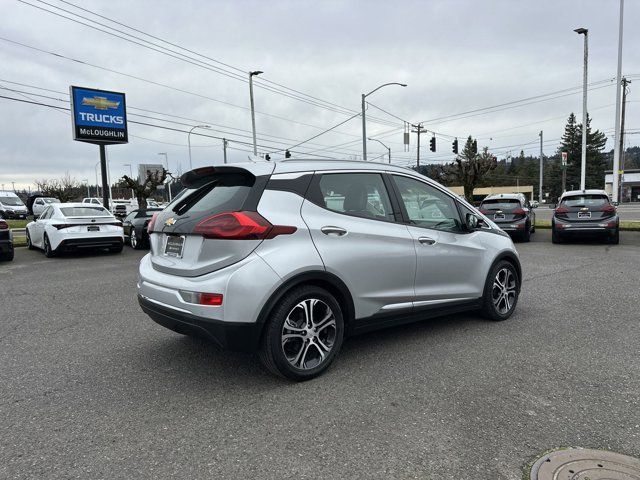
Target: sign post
99, 117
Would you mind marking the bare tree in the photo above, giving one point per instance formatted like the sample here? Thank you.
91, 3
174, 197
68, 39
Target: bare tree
147, 187
469, 168
65, 189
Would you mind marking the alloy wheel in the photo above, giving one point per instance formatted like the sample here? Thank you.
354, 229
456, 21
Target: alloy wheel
133, 239
308, 334
503, 292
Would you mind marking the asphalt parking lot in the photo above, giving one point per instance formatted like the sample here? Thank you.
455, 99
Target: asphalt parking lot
92, 388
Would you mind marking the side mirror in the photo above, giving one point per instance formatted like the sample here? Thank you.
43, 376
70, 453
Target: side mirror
473, 222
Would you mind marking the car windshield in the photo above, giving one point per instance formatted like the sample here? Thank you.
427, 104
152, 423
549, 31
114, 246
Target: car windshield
85, 212
585, 200
500, 204
11, 201
51, 200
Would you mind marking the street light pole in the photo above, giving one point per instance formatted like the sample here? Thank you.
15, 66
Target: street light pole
583, 163
189, 141
541, 171
364, 121
388, 149
253, 113
618, 146
97, 184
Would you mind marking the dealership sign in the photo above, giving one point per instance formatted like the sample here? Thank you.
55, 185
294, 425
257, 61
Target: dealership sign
98, 116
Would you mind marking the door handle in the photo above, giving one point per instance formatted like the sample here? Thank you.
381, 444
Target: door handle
426, 240
337, 231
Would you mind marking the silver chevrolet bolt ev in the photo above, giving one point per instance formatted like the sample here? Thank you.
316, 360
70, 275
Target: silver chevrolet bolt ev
290, 258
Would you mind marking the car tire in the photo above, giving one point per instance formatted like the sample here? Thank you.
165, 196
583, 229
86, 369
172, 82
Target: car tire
116, 249
29, 244
135, 243
526, 235
615, 238
296, 345
48, 251
501, 291
555, 238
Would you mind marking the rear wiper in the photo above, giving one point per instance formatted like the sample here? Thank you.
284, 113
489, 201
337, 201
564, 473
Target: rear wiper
186, 203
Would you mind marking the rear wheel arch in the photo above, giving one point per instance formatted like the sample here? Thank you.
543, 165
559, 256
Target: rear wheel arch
325, 280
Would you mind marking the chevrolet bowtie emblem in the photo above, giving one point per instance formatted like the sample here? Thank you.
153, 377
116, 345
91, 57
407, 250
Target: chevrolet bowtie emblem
100, 103
170, 221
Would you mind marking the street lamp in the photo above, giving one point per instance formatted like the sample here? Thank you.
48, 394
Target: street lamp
166, 160
253, 113
376, 140
583, 166
364, 122
189, 141
97, 184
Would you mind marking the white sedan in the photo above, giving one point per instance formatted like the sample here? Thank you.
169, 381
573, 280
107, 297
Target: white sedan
71, 226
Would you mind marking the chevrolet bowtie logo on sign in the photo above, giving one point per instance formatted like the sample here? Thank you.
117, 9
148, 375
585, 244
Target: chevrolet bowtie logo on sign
100, 103
170, 221
98, 116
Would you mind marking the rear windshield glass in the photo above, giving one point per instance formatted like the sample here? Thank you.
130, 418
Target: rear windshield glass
226, 194
85, 212
11, 201
585, 200
500, 204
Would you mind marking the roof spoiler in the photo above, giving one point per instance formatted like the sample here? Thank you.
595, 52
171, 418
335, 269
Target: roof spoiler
199, 177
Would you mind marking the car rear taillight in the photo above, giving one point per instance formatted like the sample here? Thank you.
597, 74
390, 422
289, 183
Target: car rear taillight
240, 226
561, 210
199, 298
519, 211
610, 209
484, 211
152, 223
4, 225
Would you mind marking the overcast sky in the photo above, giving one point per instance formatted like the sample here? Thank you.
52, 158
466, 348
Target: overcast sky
455, 56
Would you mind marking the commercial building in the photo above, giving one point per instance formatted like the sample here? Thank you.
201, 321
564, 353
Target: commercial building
629, 187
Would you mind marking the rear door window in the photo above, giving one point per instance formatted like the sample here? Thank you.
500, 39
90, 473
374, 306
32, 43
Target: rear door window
358, 194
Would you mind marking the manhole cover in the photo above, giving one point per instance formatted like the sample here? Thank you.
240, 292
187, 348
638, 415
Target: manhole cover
585, 464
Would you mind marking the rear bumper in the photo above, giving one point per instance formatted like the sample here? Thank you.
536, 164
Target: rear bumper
517, 226
237, 336
604, 227
6, 246
15, 215
97, 242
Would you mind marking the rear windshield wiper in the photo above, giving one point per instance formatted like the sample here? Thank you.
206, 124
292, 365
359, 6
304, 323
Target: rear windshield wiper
186, 203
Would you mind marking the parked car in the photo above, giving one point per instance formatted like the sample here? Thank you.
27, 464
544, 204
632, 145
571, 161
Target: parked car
135, 227
40, 203
292, 257
73, 226
92, 200
6, 241
582, 213
11, 206
512, 213
123, 207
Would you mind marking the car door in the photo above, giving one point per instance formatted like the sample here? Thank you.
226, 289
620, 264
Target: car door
38, 207
126, 223
449, 258
353, 226
37, 229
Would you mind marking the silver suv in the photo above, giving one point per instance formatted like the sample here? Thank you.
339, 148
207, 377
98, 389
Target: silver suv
290, 258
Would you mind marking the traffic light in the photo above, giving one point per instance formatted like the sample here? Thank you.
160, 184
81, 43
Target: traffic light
267, 157
475, 147
432, 144
287, 154
455, 146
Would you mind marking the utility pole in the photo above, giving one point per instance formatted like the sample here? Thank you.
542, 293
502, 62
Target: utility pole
618, 146
541, 170
620, 174
419, 129
583, 166
224, 149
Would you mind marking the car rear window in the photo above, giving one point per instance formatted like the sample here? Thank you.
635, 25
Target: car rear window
500, 204
85, 212
225, 194
585, 200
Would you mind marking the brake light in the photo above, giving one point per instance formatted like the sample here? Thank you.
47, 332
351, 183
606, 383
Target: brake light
608, 209
562, 209
152, 223
60, 226
519, 211
240, 226
4, 225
